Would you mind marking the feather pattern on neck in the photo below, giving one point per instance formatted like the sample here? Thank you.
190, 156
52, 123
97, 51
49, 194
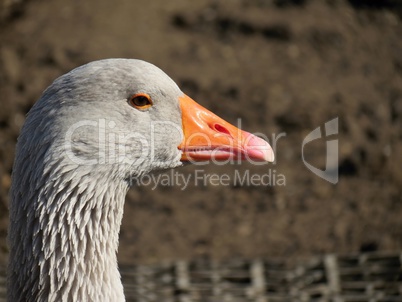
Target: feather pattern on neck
73, 235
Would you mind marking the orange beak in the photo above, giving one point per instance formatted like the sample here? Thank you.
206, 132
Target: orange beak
207, 136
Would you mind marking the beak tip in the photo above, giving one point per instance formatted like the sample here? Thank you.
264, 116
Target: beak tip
269, 156
259, 149
263, 154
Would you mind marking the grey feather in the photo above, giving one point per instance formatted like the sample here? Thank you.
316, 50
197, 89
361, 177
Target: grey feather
79, 148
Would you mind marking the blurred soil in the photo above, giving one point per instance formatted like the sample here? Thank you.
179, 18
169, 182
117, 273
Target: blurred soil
282, 67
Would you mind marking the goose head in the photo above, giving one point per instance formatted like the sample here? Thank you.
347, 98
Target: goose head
129, 115
92, 131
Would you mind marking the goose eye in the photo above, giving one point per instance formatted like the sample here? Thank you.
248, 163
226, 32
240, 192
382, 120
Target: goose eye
140, 101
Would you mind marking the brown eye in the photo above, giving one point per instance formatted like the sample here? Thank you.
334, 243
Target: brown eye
140, 101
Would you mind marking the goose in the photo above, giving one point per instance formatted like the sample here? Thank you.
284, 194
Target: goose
93, 132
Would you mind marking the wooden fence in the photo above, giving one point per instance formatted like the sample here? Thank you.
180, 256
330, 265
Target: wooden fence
371, 277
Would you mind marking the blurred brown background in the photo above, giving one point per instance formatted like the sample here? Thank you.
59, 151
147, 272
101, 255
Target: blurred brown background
281, 66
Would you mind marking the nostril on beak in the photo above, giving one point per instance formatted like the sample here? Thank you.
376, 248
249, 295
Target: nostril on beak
221, 129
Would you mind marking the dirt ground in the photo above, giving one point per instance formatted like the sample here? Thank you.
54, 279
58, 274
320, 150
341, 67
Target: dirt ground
283, 67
